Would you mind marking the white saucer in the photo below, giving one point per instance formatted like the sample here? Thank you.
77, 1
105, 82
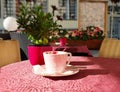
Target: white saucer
40, 70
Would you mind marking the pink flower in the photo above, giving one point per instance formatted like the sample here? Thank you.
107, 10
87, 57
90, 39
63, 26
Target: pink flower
92, 34
80, 32
75, 33
97, 29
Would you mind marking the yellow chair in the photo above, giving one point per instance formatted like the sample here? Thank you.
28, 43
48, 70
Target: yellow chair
110, 48
9, 52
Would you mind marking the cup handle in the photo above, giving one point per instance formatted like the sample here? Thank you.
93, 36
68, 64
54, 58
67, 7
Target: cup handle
69, 58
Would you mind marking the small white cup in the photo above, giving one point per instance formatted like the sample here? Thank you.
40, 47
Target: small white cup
56, 61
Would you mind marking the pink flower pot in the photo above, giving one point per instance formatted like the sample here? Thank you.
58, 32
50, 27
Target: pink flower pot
63, 41
35, 54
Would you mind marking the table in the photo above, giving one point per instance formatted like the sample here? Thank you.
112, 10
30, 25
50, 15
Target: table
101, 75
80, 50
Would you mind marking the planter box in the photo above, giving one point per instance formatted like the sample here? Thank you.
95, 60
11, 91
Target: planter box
91, 44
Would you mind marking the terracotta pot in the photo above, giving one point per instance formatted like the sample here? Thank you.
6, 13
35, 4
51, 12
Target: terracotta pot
94, 44
91, 44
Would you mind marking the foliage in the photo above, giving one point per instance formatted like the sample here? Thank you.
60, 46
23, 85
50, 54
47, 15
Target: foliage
37, 24
91, 32
61, 33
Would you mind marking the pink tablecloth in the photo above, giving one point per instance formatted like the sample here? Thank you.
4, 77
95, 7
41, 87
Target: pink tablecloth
101, 75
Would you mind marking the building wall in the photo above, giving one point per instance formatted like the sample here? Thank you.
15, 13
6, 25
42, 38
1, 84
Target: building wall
67, 24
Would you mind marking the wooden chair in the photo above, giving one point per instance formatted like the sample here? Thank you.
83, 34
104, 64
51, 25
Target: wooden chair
110, 48
9, 52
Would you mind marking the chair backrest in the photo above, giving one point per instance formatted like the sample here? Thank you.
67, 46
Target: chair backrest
110, 48
9, 52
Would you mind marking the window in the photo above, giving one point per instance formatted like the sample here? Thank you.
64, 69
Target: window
114, 20
44, 5
0, 9
9, 8
68, 9
1, 12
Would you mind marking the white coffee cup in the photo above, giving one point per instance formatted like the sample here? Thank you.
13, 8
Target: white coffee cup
56, 61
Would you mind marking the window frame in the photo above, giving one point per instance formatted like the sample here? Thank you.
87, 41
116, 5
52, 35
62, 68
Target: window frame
65, 9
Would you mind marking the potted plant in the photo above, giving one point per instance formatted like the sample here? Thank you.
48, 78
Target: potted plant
92, 36
38, 26
90, 33
60, 36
